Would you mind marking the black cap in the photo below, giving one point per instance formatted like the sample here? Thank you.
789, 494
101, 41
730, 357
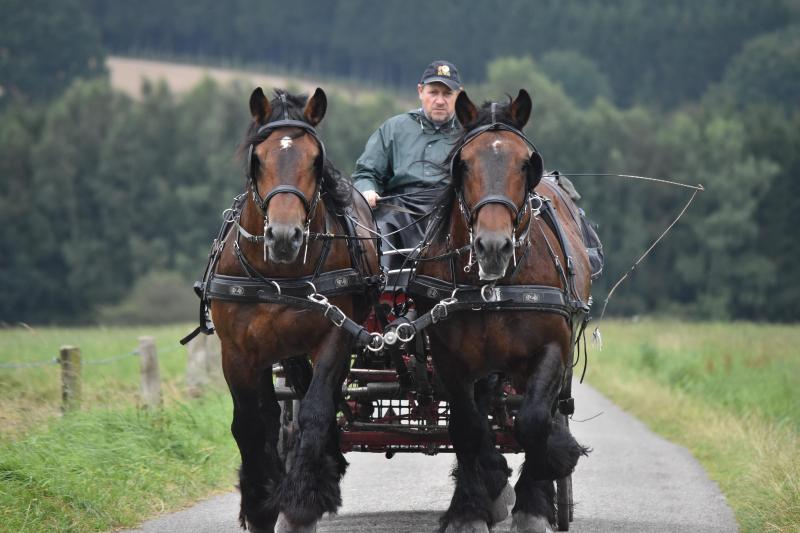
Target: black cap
442, 71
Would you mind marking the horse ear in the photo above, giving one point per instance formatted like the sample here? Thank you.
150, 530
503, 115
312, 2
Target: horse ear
535, 170
259, 105
315, 107
521, 109
466, 111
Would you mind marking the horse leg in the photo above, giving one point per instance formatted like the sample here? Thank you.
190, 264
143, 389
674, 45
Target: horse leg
470, 506
550, 452
256, 422
493, 463
311, 487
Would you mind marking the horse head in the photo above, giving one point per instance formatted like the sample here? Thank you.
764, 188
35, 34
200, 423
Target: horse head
285, 165
494, 170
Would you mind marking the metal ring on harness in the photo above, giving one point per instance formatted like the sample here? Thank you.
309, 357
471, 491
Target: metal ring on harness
390, 337
316, 297
400, 336
375, 337
277, 287
491, 296
536, 210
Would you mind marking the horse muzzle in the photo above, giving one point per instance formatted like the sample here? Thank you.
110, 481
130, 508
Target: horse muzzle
283, 242
493, 251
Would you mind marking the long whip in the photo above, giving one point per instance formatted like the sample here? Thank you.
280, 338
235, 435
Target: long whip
597, 339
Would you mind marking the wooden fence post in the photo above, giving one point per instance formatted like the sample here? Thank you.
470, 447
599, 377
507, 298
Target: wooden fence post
148, 372
197, 365
70, 360
214, 359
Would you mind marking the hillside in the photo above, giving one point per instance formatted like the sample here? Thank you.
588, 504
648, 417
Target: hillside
128, 73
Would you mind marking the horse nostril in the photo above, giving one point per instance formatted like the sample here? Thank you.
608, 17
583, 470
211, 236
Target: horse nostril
298, 235
508, 246
479, 248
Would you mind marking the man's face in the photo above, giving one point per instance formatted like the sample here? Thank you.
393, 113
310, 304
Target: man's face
438, 101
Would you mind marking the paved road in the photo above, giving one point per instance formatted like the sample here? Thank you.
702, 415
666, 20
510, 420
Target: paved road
633, 482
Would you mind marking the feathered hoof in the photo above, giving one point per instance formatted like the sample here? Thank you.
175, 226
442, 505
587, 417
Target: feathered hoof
284, 526
503, 503
255, 529
528, 523
475, 526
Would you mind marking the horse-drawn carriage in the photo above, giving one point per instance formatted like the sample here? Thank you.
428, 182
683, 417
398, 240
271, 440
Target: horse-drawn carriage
466, 348
392, 401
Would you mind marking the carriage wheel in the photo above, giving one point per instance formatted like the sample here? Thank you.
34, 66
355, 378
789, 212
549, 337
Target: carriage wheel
563, 488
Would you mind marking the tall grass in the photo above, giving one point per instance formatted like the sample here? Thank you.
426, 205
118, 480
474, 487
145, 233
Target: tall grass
31, 396
110, 464
728, 392
102, 469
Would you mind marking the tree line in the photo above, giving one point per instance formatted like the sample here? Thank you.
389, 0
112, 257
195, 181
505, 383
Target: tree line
104, 198
99, 191
658, 53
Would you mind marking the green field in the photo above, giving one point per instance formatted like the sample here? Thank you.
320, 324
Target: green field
31, 396
729, 392
111, 464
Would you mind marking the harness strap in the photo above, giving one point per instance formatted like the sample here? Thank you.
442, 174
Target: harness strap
299, 293
487, 298
495, 199
549, 215
240, 289
291, 189
498, 297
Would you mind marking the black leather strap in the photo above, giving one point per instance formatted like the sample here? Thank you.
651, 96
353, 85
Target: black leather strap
497, 298
291, 189
329, 284
495, 199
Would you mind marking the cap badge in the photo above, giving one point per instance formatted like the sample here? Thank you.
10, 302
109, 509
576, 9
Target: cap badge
443, 70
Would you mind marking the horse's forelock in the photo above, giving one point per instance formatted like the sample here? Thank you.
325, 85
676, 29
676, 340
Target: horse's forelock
338, 188
502, 114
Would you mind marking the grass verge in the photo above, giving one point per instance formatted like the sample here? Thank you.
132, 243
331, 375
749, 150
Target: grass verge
729, 393
102, 469
31, 396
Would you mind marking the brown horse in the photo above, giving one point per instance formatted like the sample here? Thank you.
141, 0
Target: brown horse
269, 262
491, 209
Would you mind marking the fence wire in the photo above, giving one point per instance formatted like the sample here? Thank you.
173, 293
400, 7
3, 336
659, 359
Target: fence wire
31, 364
100, 361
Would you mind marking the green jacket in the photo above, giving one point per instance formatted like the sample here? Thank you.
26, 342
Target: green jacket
405, 149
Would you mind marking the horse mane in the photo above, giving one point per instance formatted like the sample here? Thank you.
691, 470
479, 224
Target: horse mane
336, 188
437, 230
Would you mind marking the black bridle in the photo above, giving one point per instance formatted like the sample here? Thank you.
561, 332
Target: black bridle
492, 198
531, 202
263, 203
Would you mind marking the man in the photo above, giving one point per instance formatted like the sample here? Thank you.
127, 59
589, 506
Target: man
399, 171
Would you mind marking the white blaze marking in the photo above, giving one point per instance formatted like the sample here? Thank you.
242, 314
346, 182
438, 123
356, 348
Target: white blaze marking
286, 143
496, 146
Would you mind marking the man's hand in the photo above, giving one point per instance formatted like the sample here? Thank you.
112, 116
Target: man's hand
372, 198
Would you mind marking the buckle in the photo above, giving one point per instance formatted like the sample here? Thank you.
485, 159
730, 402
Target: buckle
337, 315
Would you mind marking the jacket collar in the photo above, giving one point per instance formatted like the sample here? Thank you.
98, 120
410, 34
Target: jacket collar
428, 126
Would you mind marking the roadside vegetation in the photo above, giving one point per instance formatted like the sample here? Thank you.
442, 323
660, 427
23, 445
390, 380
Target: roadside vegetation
728, 392
111, 464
